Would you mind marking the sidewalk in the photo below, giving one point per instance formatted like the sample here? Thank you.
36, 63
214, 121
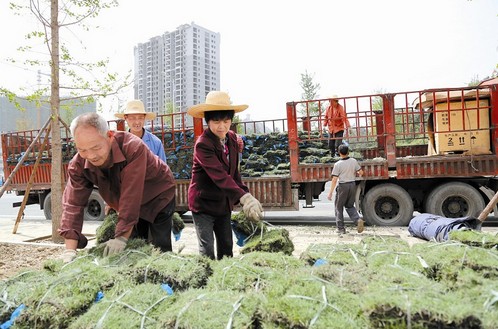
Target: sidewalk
319, 228
39, 232
34, 230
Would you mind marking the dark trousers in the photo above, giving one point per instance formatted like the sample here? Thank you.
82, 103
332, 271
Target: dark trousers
334, 143
158, 232
344, 198
205, 225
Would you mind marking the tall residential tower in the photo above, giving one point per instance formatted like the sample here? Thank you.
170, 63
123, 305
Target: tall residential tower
177, 68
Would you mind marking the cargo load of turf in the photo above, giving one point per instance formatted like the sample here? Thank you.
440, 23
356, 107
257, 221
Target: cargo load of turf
263, 154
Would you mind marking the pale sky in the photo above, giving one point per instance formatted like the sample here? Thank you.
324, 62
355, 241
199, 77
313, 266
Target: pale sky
352, 47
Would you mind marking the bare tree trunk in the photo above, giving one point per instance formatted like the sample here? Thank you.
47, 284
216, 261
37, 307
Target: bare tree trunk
56, 188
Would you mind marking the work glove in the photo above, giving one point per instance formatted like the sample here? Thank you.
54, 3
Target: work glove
115, 246
68, 255
251, 207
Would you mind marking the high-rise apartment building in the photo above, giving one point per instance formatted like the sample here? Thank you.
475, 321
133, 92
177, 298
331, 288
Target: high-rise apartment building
177, 68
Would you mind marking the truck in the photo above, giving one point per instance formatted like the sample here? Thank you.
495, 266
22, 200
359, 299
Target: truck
431, 150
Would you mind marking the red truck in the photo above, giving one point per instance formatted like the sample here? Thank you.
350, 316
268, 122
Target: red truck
429, 151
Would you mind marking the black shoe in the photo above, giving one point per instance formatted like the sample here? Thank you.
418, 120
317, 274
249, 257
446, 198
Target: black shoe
341, 231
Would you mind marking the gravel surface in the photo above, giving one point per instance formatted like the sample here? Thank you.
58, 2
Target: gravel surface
16, 257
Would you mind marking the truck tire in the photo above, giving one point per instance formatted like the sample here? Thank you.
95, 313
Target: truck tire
387, 205
95, 209
93, 212
47, 206
453, 200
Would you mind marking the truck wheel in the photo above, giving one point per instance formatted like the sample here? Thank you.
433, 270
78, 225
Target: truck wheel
94, 211
453, 200
47, 206
387, 205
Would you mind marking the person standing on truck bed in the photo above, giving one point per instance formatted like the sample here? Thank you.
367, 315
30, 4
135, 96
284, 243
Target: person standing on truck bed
344, 173
130, 179
337, 121
216, 185
134, 114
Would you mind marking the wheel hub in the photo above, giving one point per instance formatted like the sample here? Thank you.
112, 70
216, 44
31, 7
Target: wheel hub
387, 208
455, 207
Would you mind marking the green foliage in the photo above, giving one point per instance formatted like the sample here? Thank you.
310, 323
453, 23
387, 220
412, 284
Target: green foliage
310, 92
246, 226
308, 302
75, 78
475, 238
381, 282
180, 272
261, 236
106, 230
53, 304
199, 308
126, 306
178, 223
272, 240
251, 272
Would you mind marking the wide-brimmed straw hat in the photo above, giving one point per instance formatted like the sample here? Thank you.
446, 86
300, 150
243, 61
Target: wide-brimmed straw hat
135, 107
334, 96
215, 101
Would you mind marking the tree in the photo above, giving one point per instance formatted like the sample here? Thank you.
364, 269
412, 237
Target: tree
81, 79
377, 103
474, 81
310, 92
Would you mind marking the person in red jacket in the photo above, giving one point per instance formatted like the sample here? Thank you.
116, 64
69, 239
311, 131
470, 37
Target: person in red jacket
337, 121
130, 179
216, 185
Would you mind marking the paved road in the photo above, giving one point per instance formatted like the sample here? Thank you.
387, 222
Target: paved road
322, 211
34, 225
7, 211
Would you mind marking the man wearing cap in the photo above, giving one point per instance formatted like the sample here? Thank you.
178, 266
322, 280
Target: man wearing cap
216, 185
130, 179
134, 114
337, 121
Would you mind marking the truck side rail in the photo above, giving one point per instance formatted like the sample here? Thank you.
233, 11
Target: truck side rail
388, 129
14, 147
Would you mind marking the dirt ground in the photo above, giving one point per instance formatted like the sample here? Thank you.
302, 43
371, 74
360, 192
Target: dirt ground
17, 256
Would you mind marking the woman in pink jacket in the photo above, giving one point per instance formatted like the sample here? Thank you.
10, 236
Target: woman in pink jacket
216, 185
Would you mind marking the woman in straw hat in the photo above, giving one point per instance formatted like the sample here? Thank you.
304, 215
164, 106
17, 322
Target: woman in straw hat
216, 185
134, 114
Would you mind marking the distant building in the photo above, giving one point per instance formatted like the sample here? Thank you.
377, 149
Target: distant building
33, 117
177, 69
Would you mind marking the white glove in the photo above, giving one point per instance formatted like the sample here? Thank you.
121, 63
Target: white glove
68, 255
115, 246
251, 207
